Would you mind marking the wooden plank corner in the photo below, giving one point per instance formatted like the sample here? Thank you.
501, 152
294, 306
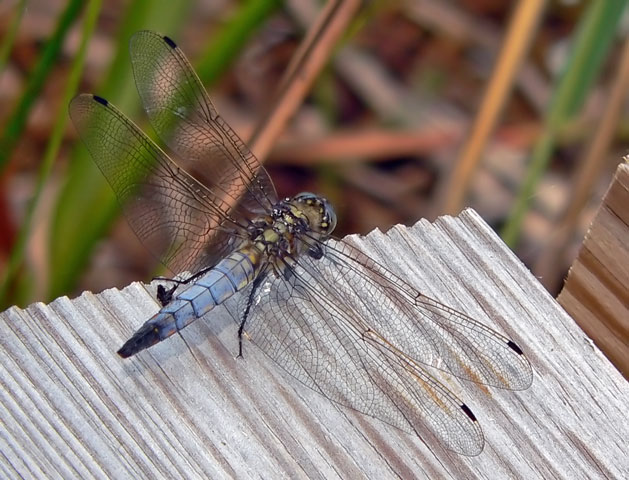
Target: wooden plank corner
70, 408
596, 291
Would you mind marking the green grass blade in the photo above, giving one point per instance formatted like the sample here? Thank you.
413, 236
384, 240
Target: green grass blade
594, 36
7, 42
86, 206
230, 40
36, 79
15, 268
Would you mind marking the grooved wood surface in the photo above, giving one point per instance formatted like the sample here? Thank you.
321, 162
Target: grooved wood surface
70, 408
596, 292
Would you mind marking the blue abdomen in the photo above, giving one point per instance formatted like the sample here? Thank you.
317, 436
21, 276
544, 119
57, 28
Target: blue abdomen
229, 276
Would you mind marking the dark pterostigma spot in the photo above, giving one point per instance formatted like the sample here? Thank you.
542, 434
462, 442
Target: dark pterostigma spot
100, 100
515, 348
468, 412
170, 42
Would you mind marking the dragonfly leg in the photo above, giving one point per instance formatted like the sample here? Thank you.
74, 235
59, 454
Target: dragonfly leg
256, 284
165, 296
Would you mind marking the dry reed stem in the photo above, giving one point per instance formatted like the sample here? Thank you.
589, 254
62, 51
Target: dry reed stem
518, 38
307, 62
365, 145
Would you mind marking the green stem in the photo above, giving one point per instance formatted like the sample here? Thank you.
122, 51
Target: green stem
594, 36
9, 38
35, 82
16, 260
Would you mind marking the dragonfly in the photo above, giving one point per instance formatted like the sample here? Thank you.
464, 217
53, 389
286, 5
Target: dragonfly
325, 312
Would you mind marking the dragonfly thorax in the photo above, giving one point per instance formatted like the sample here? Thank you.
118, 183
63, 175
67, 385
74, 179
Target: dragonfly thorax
295, 226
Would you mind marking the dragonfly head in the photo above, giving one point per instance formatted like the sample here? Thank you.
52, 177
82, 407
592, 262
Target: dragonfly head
320, 213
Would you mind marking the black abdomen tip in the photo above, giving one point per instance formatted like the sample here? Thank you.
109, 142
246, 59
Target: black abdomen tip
145, 337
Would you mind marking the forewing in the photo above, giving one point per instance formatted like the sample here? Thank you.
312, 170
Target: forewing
180, 221
423, 328
183, 116
320, 341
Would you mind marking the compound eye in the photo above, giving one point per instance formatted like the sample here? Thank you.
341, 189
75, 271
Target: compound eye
329, 217
307, 197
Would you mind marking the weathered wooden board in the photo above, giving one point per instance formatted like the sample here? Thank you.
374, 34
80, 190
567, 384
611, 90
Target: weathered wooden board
596, 292
70, 408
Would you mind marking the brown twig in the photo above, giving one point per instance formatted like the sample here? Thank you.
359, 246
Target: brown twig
309, 59
365, 145
518, 38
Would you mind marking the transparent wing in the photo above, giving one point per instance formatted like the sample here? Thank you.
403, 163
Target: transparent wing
428, 331
181, 222
316, 337
182, 114
351, 330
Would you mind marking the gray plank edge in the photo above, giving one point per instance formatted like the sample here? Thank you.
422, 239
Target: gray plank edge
187, 408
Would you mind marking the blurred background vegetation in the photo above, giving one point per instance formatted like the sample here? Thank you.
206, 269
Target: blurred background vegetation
417, 108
